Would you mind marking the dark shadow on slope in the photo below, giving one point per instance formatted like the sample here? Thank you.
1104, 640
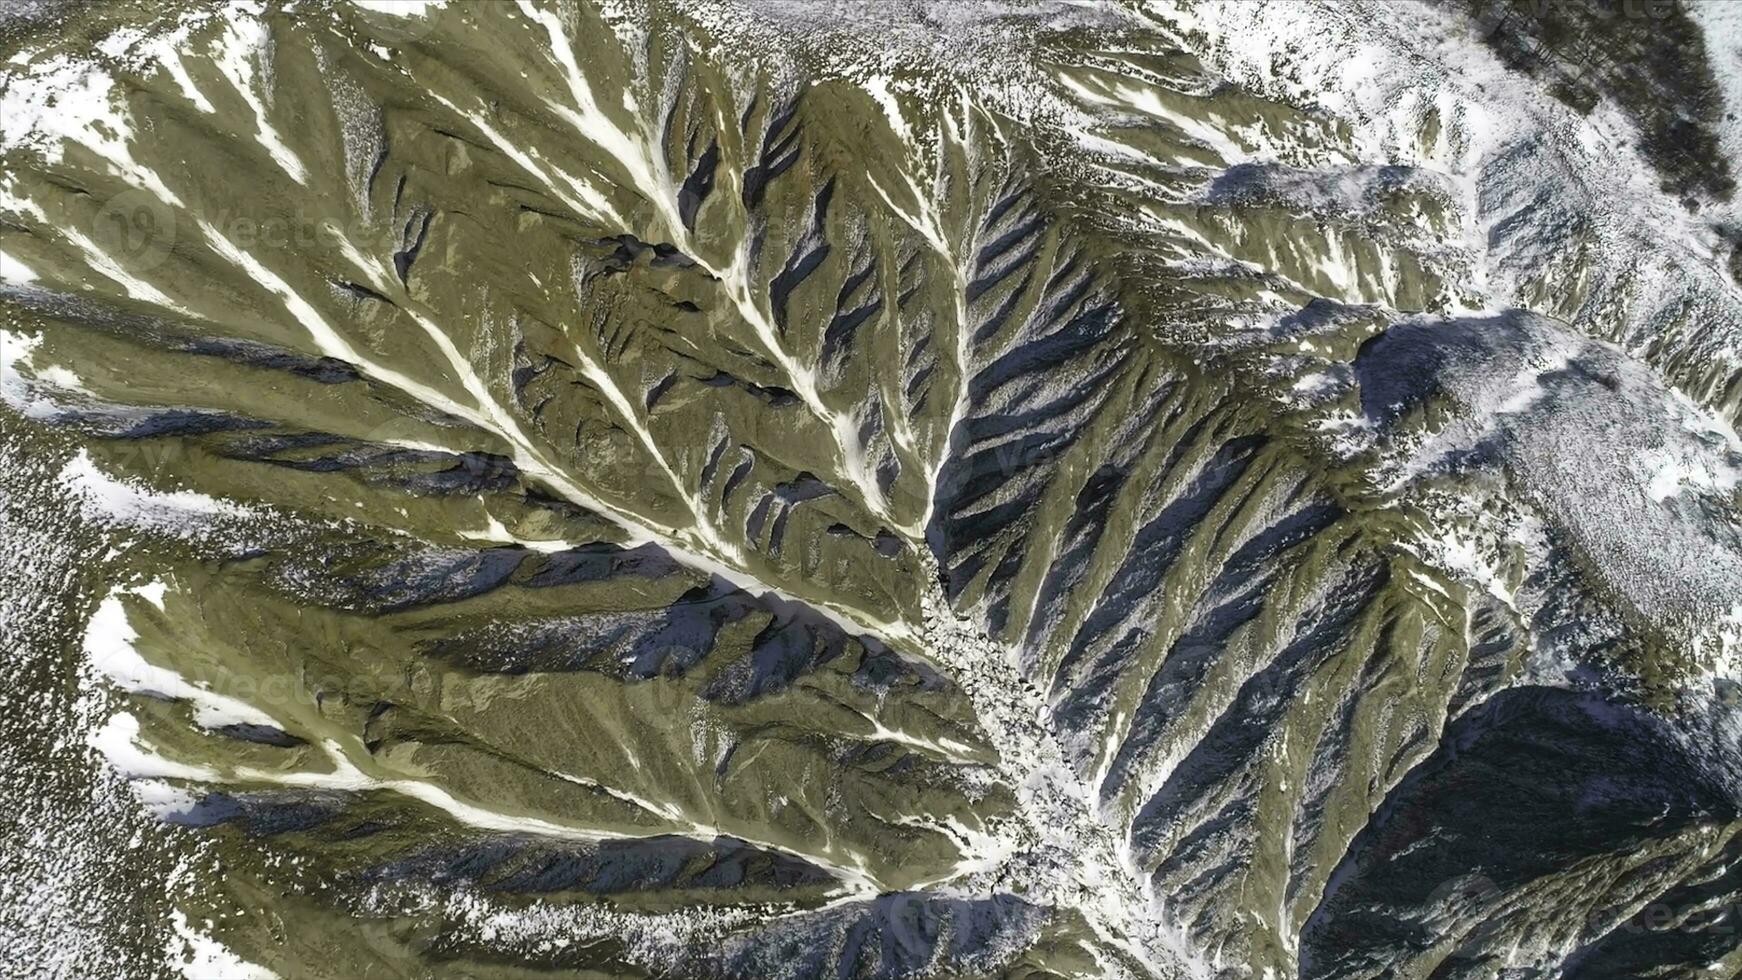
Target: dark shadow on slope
1519, 790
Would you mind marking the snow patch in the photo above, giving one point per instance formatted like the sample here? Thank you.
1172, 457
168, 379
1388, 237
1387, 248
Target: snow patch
111, 654
108, 498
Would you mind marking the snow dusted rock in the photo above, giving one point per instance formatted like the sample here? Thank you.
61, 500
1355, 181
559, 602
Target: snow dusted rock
698, 488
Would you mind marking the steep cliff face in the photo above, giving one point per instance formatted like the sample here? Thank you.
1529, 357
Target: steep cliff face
691, 489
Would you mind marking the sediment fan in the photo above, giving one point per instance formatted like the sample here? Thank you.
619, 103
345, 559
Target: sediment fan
783, 489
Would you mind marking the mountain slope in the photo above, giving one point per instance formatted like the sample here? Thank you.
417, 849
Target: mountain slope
961, 490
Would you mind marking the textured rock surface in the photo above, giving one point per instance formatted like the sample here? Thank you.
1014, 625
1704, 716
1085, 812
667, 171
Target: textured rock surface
827, 490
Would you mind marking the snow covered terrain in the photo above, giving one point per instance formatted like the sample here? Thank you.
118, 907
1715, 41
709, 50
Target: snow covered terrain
709, 488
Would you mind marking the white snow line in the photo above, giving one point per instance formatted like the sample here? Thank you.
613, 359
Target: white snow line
489, 415
734, 279
236, 49
111, 654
